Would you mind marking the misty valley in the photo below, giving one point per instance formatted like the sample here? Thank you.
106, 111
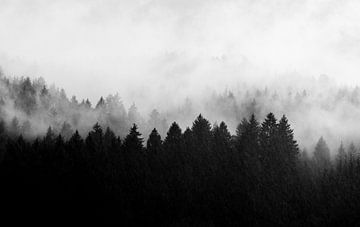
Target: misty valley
65, 161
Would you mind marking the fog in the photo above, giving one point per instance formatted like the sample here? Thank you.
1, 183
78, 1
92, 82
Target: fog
157, 53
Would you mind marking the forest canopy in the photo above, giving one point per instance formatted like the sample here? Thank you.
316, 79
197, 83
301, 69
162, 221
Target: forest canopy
29, 106
94, 159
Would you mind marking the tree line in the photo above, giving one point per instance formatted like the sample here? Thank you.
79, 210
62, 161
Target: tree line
28, 106
200, 176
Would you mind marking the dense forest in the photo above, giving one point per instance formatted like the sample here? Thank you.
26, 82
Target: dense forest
200, 176
203, 175
30, 106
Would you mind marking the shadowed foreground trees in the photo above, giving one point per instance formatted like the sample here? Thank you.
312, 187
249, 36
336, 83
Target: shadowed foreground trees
202, 176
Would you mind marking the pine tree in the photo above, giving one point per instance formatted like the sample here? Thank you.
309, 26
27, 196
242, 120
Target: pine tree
268, 141
201, 132
76, 142
75, 146
153, 151
133, 142
322, 154
188, 140
87, 103
111, 142
241, 128
153, 145
95, 139
222, 135
203, 158
173, 144
222, 150
134, 167
247, 137
289, 147
101, 103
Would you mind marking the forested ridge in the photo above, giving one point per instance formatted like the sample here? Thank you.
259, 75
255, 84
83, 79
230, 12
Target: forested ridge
317, 108
95, 165
200, 176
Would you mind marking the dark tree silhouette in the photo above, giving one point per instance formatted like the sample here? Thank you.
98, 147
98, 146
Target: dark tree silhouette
153, 144
204, 176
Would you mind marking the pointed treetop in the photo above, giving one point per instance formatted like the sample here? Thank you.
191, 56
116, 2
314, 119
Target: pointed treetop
76, 137
252, 118
133, 141
187, 132
173, 132
269, 126
241, 128
101, 103
134, 133
154, 131
74, 100
222, 131
88, 103
201, 124
283, 119
270, 118
322, 153
154, 142
134, 129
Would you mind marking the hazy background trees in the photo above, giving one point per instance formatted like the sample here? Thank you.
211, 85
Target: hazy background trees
29, 106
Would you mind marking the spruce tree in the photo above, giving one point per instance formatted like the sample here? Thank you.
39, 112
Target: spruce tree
221, 144
247, 137
288, 146
201, 132
322, 154
101, 103
268, 141
173, 142
95, 140
153, 144
133, 142
76, 142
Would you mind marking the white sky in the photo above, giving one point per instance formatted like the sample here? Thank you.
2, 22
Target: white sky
145, 49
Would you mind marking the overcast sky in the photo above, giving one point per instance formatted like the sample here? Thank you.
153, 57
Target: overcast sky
93, 48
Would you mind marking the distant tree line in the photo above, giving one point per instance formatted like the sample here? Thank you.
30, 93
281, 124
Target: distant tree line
29, 106
200, 176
